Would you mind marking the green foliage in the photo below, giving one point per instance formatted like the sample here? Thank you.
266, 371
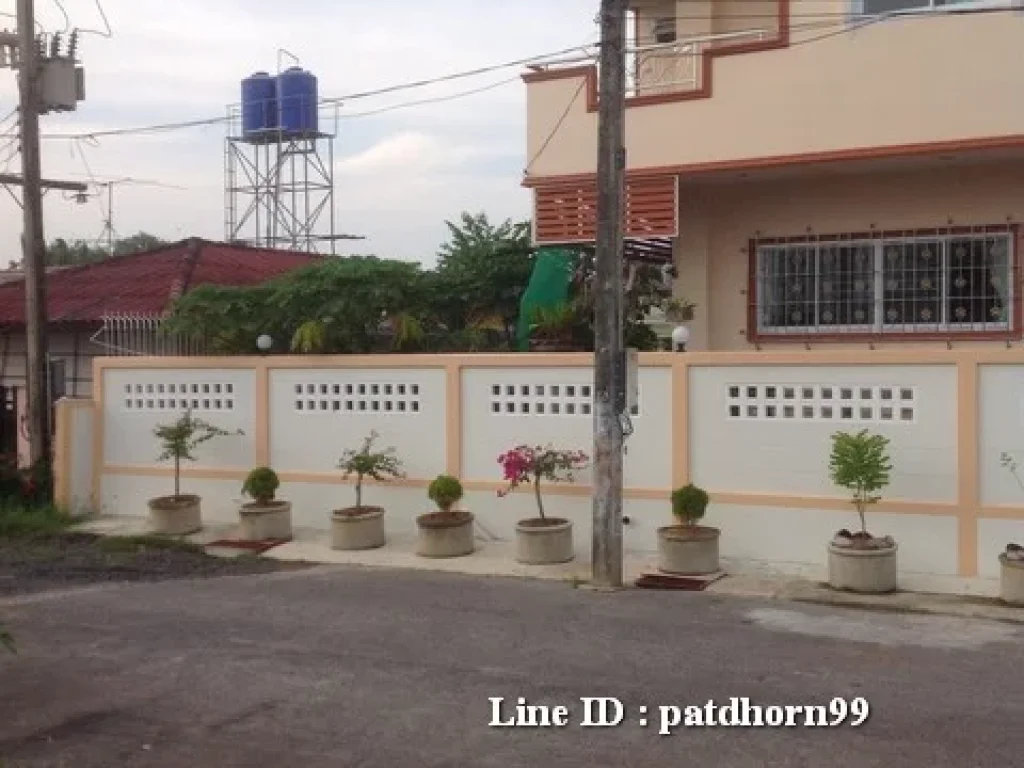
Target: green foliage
60, 252
860, 463
21, 520
7, 641
481, 274
310, 338
381, 466
180, 439
261, 484
225, 320
689, 504
445, 491
30, 487
555, 320
361, 304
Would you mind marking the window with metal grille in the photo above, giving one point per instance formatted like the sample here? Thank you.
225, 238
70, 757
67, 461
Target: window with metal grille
929, 283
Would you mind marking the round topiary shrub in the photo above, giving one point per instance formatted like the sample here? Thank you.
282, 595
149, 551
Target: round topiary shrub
689, 504
445, 491
261, 485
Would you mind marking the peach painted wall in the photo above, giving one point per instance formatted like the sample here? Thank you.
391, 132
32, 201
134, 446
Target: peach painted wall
718, 221
886, 84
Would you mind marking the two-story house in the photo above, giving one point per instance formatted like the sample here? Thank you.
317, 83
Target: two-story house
828, 172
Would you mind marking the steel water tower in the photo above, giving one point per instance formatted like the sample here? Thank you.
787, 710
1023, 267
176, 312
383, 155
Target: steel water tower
279, 165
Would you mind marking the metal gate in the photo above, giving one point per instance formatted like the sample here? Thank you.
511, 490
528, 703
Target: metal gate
8, 421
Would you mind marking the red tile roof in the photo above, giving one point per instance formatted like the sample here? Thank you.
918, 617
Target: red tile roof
147, 283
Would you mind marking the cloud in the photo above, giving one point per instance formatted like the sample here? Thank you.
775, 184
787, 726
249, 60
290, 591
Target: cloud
399, 174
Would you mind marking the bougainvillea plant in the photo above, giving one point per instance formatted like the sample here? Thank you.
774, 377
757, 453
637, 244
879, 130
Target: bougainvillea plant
531, 464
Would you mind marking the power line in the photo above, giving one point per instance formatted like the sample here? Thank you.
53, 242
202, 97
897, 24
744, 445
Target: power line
416, 84
837, 19
435, 100
106, 22
67, 19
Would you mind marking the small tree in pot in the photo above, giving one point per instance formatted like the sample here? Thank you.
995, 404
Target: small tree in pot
858, 561
448, 532
688, 549
181, 514
361, 526
541, 540
265, 517
1011, 560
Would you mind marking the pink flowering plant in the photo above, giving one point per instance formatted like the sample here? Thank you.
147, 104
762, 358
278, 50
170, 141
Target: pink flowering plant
531, 464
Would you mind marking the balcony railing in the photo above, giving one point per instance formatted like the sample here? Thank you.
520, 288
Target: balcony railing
677, 67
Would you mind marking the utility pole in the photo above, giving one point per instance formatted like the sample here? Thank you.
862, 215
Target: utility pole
33, 245
608, 356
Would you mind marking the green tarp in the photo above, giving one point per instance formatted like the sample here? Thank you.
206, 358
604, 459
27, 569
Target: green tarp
549, 286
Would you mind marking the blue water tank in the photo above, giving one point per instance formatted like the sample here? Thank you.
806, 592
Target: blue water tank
297, 101
259, 104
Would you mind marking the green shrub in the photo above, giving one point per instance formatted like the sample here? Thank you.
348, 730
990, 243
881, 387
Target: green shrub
19, 520
445, 491
860, 463
179, 440
689, 504
261, 485
381, 466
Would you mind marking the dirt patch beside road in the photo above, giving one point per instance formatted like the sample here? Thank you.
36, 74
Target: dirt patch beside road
56, 561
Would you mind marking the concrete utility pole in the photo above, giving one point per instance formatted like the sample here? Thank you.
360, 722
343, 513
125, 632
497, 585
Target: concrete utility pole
33, 245
608, 357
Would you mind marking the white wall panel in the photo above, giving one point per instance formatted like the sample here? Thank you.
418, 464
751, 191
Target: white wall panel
745, 438
317, 414
137, 400
1001, 428
505, 407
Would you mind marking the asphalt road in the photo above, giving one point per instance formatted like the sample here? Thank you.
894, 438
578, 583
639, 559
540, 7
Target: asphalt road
347, 668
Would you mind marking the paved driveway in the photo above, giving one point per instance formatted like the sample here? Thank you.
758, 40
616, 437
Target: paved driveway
384, 668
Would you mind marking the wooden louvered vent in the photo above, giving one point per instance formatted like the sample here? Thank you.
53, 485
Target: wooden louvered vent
567, 213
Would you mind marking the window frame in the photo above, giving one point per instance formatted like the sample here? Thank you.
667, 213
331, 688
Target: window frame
1012, 328
857, 7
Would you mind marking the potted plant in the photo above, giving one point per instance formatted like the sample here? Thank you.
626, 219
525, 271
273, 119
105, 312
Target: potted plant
555, 328
678, 310
362, 527
264, 517
448, 532
541, 540
1011, 560
688, 549
181, 514
860, 562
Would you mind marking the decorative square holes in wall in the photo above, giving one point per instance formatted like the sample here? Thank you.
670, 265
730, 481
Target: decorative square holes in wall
544, 400
822, 402
357, 398
178, 396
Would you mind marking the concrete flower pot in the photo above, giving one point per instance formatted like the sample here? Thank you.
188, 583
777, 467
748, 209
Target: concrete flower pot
1011, 580
357, 528
445, 534
266, 521
175, 515
866, 571
688, 550
544, 541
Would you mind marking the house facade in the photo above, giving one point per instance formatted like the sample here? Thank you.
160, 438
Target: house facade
830, 173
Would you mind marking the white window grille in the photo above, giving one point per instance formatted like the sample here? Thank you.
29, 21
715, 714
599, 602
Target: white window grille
941, 283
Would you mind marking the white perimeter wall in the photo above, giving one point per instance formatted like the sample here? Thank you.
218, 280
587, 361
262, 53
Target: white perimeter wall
756, 433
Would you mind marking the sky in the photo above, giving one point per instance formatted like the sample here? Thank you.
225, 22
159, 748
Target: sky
398, 175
